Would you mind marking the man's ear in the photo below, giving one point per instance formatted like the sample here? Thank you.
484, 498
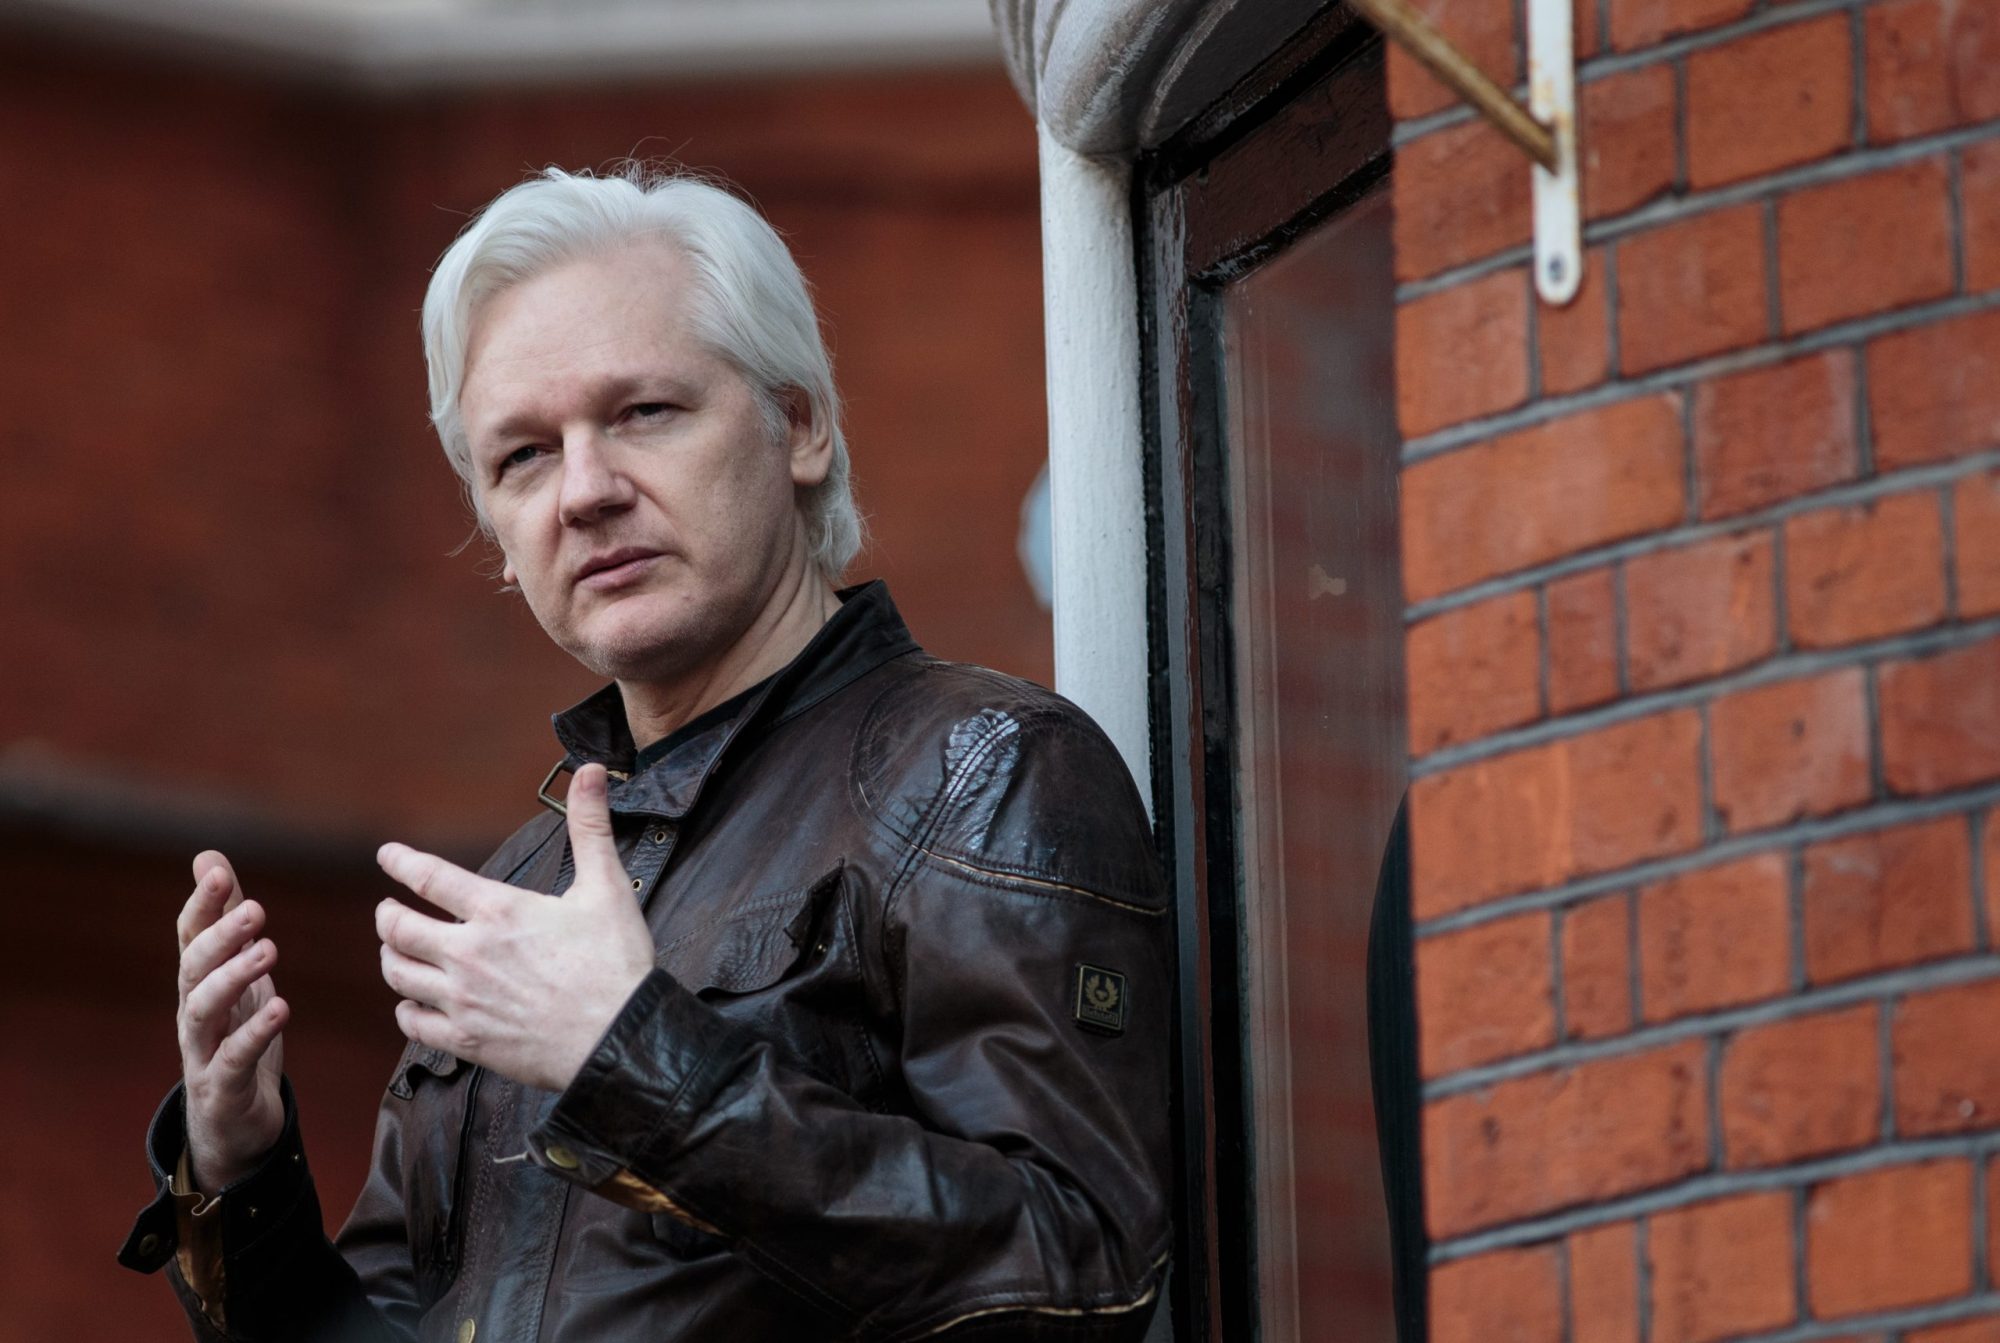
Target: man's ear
809, 443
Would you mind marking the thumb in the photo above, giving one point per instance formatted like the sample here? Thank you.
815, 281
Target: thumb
590, 839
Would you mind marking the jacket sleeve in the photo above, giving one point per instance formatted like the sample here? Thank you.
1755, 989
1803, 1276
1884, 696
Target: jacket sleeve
1023, 1190
261, 1267
267, 1271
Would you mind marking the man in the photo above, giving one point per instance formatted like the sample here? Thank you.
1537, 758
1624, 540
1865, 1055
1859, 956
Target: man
851, 1018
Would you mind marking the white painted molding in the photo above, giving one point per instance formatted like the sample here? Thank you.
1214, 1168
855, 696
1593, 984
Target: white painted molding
1114, 77
397, 44
1096, 444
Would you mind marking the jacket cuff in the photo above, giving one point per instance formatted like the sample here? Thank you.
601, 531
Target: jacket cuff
663, 1057
251, 1209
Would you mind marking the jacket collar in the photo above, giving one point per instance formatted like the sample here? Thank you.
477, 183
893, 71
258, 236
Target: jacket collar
863, 634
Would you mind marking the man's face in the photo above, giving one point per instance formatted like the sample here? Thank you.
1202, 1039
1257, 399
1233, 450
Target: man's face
632, 481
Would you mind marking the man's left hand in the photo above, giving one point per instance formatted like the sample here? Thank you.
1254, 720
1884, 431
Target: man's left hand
522, 984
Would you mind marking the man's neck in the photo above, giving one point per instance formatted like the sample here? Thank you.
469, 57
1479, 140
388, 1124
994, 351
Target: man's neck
787, 624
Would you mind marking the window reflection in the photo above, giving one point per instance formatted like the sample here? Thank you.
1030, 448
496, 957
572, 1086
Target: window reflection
1316, 607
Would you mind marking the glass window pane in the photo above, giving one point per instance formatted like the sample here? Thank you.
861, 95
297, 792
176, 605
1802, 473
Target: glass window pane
1316, 607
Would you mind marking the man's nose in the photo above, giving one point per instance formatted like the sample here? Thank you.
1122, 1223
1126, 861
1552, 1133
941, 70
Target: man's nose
593, 482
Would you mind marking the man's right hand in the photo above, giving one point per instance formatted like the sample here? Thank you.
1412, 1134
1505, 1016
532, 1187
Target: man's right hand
230, 1017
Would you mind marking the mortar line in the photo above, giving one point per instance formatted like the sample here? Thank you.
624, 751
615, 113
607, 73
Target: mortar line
1958, 972
1846, 494
1679, 376
1937, 639
1706, 1187
1817, 830
1687, 205
1885, 1065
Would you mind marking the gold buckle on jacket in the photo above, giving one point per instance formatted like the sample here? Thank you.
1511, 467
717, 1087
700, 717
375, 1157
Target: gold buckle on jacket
548, 799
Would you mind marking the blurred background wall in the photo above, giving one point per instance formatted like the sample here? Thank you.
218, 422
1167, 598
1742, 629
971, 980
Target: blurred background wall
231, 609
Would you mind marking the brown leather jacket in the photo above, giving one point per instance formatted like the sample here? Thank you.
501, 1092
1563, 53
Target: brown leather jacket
901, 1070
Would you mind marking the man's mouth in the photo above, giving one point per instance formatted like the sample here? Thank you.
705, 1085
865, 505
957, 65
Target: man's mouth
615, 568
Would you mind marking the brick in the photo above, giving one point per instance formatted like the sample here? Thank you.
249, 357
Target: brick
1692, 288
1583, 641
1888, 1238
1941, 720
1473, 671
1641, 23
1772, 100
1793, 749
1604, 1284
1699, 610
1568, 1136
1887, 898
1508, 1296
1715, 938
1802, 1088
1865, 570
1481, 30
1460, 194
1979, 201
1462, 352
1722, 1268
1628, 139
1534, 818
1863, 245
1975, 543
1934, 391
1932, 64
1537, 494
1946, 1060
1597, 968
1485, 993
1985, 1330
1575, 341
1774, 433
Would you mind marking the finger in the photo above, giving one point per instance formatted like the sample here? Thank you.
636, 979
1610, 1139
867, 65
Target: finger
213, 887
450, 887
590, 837
417, 936
414, 979
427, 1026
218, 942
244, 1047
209, 1003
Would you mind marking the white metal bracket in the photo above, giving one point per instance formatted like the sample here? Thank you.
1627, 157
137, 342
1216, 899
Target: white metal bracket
1545, 130
1552, 101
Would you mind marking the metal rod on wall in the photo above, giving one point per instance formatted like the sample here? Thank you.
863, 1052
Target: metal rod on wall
1402, 22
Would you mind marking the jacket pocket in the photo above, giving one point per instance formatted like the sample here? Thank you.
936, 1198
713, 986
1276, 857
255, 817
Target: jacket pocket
438, 1091
755, 945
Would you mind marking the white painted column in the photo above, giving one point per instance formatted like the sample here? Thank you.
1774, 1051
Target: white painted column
1097, 497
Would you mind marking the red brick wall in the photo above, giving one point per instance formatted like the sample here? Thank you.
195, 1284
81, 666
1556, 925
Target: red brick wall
1703, 576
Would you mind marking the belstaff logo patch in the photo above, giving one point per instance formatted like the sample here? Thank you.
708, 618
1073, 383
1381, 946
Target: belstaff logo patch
1100, 999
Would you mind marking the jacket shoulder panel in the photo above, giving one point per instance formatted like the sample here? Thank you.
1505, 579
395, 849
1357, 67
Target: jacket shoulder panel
1005, 780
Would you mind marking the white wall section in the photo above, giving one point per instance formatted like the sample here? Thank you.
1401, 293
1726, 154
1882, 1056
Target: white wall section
1096, 444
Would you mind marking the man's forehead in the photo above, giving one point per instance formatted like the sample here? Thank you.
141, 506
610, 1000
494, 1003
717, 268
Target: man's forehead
600, 324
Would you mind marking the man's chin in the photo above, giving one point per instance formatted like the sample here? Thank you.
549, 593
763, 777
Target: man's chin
653, 651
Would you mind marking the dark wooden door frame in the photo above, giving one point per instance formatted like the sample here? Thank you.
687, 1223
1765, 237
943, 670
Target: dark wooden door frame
1303, 137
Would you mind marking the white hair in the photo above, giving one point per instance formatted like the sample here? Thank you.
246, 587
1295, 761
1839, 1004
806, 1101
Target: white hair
750, 304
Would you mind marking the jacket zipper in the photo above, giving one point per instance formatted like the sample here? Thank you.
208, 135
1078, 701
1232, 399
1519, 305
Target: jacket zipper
461, 1180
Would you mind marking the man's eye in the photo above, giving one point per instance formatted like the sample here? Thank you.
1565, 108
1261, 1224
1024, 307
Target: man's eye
519, 456
646, 410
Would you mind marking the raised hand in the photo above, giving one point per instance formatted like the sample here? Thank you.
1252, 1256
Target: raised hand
521, 984
230, 1017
